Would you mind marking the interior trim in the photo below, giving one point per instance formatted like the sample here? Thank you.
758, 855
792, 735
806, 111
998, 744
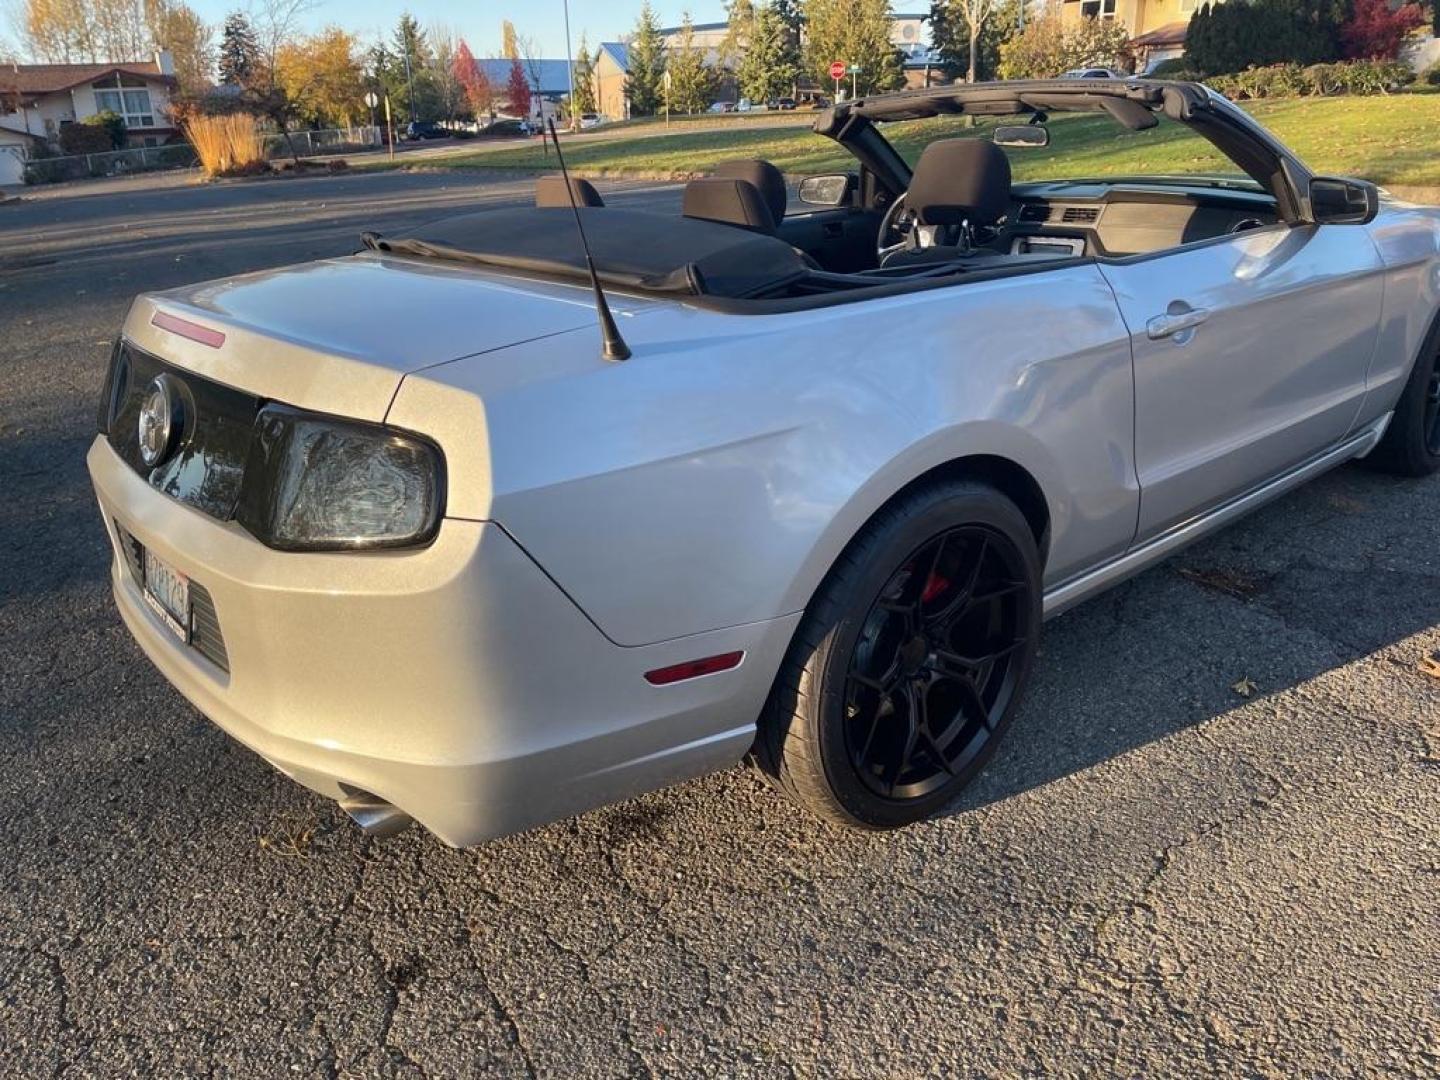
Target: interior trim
1086, 584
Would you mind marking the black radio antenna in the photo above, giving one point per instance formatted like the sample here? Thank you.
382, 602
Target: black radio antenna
613, 346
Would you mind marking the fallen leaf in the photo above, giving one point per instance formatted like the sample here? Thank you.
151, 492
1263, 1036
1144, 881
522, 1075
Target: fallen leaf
1430, 665
1245, 687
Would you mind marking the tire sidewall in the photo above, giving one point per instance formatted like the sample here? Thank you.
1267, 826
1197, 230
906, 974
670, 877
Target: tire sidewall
946, 508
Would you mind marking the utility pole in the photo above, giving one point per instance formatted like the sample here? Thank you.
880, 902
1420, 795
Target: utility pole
570, 70
409, 79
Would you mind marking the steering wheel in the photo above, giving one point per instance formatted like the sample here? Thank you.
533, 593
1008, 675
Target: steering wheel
900, 222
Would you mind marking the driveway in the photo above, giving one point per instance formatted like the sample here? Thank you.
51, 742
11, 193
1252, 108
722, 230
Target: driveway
1159, 875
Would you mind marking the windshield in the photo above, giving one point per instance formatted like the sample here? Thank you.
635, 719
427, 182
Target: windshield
1085, 146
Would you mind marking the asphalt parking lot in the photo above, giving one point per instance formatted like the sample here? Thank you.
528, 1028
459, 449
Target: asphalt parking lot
1158, 875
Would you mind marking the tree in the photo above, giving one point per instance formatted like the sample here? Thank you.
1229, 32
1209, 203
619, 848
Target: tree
412, 79
1232, 36
691, 85
322, 78
767, 69
950, 40
739, 26
856, 32
449, 94
647, 64
509, 41
239, 51
517, 89
475, 89
1374, 32
97, 31
1048, 48
176, 28
584, 79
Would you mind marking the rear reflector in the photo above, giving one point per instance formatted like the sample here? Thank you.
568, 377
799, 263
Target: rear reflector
693, 669
187, 329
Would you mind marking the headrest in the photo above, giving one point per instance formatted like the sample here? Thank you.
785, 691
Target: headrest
735, 202
959, 180
768, 180
550, 191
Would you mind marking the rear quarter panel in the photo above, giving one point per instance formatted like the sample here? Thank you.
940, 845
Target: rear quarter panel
714, 477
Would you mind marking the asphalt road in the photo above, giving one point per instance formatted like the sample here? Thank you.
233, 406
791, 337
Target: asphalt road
1157, 876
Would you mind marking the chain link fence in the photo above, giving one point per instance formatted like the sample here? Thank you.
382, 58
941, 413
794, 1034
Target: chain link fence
53, 170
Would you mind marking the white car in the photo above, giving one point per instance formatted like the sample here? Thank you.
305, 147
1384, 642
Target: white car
590, 120
1094, 73
402, 523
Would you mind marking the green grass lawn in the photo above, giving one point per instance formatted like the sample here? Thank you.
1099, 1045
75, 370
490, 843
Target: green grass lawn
1391, 140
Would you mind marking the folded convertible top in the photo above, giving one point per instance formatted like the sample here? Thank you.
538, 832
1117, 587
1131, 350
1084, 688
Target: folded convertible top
632, 249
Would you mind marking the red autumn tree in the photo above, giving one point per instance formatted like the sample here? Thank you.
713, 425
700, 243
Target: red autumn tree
1374, 32
518, 89
474, 83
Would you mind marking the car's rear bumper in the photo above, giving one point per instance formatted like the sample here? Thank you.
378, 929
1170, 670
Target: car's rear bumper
457, 682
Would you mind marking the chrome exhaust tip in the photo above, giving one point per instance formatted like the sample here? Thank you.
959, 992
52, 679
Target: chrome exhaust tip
374, 815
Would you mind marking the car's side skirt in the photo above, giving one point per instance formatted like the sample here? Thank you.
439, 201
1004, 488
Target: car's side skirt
1086, 584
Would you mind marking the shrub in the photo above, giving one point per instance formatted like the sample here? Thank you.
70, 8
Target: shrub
1360, 77
1432, 76
1228, 36
227, 145
1374, 32
112, 123
85, 139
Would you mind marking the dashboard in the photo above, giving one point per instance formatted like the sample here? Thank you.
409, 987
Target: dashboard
1096, 218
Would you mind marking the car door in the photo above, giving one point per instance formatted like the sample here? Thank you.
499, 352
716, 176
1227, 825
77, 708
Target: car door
1250, 356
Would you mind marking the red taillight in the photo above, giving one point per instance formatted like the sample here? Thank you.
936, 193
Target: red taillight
187, 329
693, 669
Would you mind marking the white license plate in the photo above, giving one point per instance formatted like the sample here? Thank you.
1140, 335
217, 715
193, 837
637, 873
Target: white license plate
167, 591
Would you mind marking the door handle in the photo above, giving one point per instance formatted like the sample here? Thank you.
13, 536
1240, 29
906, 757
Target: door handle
1175, 321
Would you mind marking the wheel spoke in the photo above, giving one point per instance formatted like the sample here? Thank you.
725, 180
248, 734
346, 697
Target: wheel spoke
902, 762
935, 751
973, 704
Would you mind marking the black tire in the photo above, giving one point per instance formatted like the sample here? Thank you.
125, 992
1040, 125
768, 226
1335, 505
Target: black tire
874, 669
1411, 444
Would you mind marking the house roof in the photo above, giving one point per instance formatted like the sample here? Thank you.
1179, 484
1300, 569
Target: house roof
617, 51
554, 75
35, 79
1169, 34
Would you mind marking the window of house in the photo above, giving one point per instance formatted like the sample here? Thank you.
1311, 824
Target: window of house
133, 105
1098, 9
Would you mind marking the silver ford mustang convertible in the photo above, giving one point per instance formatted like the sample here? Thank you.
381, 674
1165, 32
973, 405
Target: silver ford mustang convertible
807, 496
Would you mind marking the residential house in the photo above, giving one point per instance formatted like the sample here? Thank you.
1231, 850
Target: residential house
37, 100
1158, 26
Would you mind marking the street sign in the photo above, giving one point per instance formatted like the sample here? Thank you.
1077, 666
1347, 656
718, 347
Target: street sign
371, 100
838, 70
854, 69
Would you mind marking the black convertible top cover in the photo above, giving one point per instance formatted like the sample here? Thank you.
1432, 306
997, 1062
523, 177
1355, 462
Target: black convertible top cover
647, 251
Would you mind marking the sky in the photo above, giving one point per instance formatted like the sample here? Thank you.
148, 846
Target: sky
479, 22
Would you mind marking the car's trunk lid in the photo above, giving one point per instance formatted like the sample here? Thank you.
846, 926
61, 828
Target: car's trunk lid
338, 335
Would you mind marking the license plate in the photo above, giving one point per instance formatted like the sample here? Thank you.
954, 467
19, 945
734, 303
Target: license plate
167, 591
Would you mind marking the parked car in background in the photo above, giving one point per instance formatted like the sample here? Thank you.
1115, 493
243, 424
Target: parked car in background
417, 130
590, 120
507, 128
1094, 73
784, 104
723, 107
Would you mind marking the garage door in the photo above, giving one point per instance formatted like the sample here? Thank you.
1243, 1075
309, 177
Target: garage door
12, 165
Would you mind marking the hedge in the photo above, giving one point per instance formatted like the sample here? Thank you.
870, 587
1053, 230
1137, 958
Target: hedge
1361, 77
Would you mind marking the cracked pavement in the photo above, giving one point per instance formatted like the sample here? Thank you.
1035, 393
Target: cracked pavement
1155, 877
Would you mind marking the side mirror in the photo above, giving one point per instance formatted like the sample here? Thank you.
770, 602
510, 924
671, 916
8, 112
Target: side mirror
1028, 135
1338, 201
826, 190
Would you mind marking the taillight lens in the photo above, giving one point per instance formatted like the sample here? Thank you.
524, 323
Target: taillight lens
316, 483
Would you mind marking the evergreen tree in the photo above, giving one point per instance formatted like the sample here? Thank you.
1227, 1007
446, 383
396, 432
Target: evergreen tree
647, 64
856, 32
1232, 36
584, 78
691, 83
766, 70
239, 59
411, 80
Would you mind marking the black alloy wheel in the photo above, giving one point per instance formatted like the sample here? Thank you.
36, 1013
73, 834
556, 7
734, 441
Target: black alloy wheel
1411, 443
936, 663
910, 661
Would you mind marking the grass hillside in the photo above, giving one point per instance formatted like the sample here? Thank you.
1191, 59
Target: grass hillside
1391, 140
